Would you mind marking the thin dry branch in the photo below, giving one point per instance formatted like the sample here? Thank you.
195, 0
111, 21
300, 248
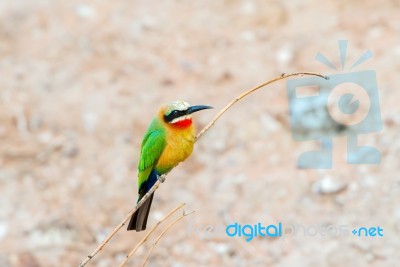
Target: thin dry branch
157, 184
283, 76
120, 225
161, 235
150, 232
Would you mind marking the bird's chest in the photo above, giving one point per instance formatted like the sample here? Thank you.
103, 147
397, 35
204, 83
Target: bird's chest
179, 147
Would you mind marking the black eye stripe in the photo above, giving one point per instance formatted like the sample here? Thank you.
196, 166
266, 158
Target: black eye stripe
174, 114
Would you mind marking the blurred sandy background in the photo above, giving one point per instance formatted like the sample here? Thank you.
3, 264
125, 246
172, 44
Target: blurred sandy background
81, 80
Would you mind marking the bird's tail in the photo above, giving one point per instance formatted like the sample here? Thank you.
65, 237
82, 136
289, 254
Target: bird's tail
138, 221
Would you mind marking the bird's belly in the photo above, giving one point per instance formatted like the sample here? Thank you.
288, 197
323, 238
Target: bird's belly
175, 152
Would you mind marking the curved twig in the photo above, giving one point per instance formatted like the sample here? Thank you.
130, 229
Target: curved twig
161, 235
283, 76
150, 232
206, 128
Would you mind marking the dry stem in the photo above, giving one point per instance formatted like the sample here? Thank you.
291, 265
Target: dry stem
157, 184
283, 76
150, 232
165, 230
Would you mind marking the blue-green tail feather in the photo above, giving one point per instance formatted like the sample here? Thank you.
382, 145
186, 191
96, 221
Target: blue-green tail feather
138, 221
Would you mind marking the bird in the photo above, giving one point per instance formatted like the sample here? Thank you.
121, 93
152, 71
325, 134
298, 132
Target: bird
168, 141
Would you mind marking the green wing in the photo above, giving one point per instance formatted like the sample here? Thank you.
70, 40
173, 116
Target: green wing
152, 147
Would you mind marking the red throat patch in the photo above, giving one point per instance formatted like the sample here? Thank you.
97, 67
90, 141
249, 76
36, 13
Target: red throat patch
183, 124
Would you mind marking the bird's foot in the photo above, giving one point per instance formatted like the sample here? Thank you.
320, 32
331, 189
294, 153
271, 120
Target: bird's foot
161, 178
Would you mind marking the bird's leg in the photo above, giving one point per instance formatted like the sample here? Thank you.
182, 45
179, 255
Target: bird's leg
161, 178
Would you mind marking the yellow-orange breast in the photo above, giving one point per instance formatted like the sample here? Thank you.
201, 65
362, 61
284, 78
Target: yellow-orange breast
180, 141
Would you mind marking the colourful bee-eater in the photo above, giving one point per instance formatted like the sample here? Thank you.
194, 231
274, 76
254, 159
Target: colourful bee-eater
168, 141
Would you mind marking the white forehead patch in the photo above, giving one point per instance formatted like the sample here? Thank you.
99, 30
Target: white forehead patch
177, 105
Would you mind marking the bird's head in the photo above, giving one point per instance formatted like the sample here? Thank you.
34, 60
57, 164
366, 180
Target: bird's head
178, 113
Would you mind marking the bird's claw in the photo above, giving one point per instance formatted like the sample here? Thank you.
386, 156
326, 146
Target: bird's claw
161, 178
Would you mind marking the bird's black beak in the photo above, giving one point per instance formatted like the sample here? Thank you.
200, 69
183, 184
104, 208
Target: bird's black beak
194, 109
